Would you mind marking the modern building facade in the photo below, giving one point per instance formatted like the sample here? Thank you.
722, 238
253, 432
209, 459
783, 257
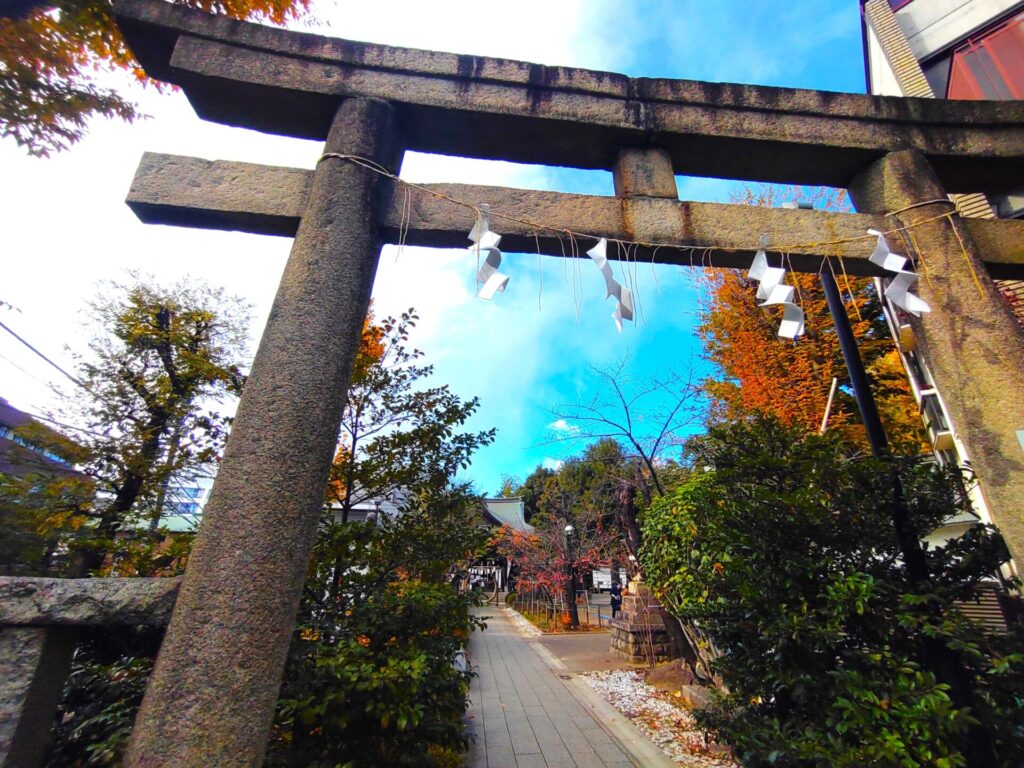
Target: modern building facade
20, 455
184, 502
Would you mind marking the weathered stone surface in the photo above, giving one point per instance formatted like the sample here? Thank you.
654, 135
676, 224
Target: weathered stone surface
646, 172
287, 82
34, 663
187, 191
210, 699
637, 643
81, 602
970, 339
640, 630
170, 189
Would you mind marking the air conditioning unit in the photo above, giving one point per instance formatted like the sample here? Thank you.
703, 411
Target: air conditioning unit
935, 420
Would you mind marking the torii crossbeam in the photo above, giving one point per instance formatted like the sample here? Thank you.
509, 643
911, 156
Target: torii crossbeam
211, 697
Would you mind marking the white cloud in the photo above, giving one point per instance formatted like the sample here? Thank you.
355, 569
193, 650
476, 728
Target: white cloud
564, 427
66, 226
552, 464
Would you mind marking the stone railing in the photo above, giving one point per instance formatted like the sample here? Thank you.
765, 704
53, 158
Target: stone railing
40, 619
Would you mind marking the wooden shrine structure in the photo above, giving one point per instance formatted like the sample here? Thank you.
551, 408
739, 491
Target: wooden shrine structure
211, 696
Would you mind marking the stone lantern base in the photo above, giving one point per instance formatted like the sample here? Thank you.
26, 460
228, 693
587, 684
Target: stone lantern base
639, 633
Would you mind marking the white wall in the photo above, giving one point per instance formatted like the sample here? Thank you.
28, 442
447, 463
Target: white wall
883, 81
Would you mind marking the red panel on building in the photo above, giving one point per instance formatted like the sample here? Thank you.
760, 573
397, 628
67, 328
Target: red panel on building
990, 65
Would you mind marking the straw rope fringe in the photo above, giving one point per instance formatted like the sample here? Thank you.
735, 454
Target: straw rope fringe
705, 251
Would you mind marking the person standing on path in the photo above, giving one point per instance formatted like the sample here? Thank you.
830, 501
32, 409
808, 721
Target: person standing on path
616, 593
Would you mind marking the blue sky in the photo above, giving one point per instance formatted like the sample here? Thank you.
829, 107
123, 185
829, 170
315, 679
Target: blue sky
66, 227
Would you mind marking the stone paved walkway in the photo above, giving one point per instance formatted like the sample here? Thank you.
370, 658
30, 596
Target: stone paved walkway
522, 714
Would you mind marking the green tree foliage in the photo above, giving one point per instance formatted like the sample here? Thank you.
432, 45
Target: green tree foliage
783, 552
395, 433
585, 492
161, 361
43, 501
532, 489
164, 359
635, 430
594, 489
104, 691
51, 52
370, 677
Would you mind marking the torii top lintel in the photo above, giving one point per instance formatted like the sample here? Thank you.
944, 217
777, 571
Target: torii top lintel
287, 82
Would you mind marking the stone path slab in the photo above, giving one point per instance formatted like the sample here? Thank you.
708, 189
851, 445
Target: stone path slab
527, 712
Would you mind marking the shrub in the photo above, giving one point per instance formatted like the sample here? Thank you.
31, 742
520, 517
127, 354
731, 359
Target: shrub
103, 692
370, 679
383, 689
784, 552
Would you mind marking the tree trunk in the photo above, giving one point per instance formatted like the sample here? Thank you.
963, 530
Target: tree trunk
127, 494
627, 516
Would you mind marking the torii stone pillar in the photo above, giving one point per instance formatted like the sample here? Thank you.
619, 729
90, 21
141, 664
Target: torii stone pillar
970, 339
222, 659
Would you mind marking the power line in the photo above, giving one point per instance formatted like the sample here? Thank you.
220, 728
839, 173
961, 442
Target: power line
76, 381
27, 373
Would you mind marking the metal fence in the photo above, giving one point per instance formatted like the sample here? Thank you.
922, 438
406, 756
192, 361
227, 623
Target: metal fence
543, 603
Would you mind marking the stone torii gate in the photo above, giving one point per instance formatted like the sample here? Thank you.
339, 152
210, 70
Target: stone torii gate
211, 697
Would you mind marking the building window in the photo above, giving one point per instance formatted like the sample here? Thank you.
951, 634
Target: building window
990, 66
921, 381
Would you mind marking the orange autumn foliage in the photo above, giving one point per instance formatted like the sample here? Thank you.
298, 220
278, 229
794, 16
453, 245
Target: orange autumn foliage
763, 373
760, 373
50, 53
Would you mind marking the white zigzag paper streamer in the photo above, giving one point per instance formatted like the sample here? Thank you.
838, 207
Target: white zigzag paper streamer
623, 296
772, 291
489, 279
898, 290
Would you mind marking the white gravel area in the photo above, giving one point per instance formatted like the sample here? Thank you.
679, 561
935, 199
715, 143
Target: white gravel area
668, 725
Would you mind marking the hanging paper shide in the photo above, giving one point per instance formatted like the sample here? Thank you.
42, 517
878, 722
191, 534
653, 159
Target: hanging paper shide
623, 296
772, 291
898, 290
485, 243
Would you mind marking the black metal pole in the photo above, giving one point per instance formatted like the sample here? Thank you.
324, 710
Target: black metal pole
910, 546
855, 367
